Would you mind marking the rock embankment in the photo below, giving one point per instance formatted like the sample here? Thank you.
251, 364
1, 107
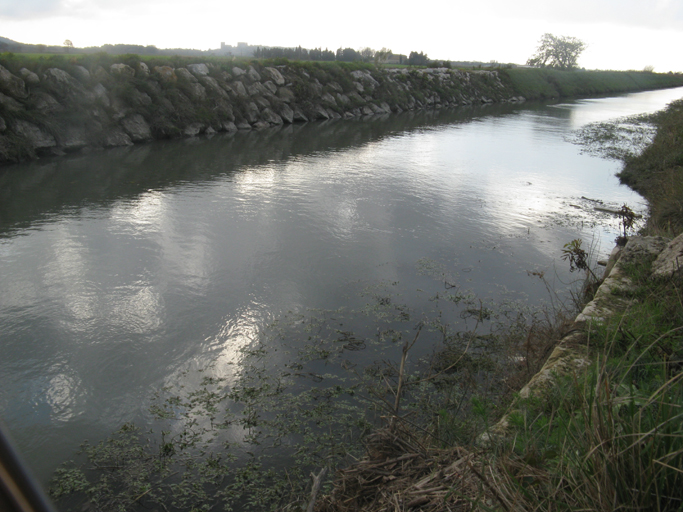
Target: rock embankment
62, 110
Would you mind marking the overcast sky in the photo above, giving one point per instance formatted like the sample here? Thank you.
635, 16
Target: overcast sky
621, 34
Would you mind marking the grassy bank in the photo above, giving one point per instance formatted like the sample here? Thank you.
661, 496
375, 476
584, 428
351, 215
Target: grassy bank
657, 173
554, 83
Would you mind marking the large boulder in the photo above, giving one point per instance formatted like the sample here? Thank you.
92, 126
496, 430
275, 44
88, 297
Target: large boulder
286, 94
116, 137
63, 84
670, 260
253, 74
12, 85
166, 73
137, 128
251, 112
143, 69
42, 102
185, 75
122, 70
10, 104
29, 76
274, 75
38, 138
285, 112
81, 73
72, 138
199, 69
237, 71
270, 117
239, 89
213, 86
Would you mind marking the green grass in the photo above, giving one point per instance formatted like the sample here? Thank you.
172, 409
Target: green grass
611, 437
657, 173
547, 83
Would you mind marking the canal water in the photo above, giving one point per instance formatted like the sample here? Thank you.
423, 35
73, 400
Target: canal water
124, 270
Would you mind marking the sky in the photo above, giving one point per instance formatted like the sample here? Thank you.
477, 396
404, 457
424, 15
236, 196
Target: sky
620, 34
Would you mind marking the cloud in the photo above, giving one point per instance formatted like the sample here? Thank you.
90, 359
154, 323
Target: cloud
28, 8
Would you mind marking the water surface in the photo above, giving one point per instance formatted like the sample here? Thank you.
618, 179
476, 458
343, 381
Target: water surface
122, 269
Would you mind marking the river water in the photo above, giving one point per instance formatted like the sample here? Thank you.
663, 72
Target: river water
122, 270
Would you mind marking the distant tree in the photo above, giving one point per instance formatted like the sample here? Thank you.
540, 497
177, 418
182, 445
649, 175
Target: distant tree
327, 55
68, 45
557, 52
382, 55
649, 69
367, 53
418, 59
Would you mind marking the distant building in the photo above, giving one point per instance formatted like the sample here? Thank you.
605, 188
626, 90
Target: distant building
241, 50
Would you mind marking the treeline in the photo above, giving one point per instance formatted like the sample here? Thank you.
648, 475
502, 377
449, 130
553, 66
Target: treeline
347, 55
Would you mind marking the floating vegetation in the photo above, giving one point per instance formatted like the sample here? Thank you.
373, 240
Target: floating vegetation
618, 139
304, 398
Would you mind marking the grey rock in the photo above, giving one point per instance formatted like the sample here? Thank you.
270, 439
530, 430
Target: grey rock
44, 103
197, 91
670, 260
73, 137
367, 111
253, 74
333, 114
81, 73
343, 99
29, 76
329, 99
262, 102
286, 113
272, 88
243, 125
193, 129
260, 125
270, 117
100, 74
63, 84
3, 125
122, 70
199, 69
239, 89
12, 85
137, 128
186, 75
101, 94
299, 115
213, 86
10, 104
116, 137
143, 69
359, 87
39, 139
275, 76
285, 94
335, 87
252, 113
229, 127
237, 71
166, 73
319, 112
